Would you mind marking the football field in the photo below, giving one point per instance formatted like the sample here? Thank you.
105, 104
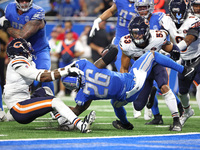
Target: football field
44, 133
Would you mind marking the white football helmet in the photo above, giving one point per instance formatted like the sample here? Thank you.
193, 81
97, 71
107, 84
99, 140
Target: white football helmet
142, 6
24, 7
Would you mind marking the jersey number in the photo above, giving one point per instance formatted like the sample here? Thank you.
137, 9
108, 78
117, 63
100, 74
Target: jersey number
95, 81
123, 17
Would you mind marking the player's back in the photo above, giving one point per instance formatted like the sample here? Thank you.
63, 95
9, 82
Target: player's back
125, 12
102, 83
38, 40
17, 86
155, 21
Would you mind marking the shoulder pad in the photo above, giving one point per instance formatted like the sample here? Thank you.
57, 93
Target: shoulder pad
19, 61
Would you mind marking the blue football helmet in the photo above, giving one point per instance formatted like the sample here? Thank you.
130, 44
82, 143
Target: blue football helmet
143, 6
195, 7
178, 10
139, 30
19, 47
24, 7
71, 82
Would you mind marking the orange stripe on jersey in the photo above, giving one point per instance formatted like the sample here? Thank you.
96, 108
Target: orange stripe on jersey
27, 110
76, 121
195, 83
20, 60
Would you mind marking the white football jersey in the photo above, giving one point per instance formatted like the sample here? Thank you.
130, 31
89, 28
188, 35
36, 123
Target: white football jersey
20, 74
156, 41
177, 35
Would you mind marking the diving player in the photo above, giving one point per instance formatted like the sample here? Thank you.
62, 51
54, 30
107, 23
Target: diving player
122, 88
183, 28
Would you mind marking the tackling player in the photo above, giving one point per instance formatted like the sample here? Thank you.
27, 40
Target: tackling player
20, 74
183, 28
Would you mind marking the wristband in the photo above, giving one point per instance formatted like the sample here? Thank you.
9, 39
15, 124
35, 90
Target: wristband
63, 72
98, 20
39, 75
182, 45
52, 76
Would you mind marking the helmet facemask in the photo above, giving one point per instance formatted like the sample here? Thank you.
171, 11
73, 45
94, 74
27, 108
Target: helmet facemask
144, 8
195, 7
24, 6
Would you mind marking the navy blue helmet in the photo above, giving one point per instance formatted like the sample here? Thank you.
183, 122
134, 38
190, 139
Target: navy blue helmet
178, 10
195, 7
18, 47
139, 30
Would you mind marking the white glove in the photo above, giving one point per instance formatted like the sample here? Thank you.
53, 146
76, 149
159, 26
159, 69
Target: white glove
95, 26
76, 71
2, 19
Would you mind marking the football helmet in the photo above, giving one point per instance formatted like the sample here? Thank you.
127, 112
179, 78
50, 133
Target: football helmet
144, 7
25, 6
71, 82
178, 10
139, 30
195, 7
18, 47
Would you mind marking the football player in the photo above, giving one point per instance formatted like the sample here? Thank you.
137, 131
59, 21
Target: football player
122, 88
183, 28
21, 72
26, 20
145, 9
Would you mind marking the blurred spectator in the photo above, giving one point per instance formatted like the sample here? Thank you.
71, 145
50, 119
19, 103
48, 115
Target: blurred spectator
55, 52
67, 55
93, 7
52, 12
106, 4
99, 41
159, 6
81, 46
82, 7
68, 8
68, 28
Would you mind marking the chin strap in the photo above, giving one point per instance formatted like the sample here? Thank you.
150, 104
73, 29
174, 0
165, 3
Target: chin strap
140, 77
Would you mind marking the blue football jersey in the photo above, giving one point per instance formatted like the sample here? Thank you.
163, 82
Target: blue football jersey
103, 83
38, 40
125, 12
154, 21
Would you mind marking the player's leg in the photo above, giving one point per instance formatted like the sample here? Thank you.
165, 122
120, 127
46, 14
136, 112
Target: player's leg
2, 113
184, 86
120, 112
196, 81
161, 78
43, 61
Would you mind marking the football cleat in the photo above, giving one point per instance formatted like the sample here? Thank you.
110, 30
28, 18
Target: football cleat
189, 71
151, 97
119, 125
2, 115
176, 126
186, 115
136, 114
88, 120
147, 114
156, 121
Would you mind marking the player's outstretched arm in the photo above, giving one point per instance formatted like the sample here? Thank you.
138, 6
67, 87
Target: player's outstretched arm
107, 14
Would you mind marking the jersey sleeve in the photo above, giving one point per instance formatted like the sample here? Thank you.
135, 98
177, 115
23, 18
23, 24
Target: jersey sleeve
22, 66
165, 22
39, 15
124, 44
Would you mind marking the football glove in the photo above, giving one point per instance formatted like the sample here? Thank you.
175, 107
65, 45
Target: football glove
95, 26
175, 53
4, 23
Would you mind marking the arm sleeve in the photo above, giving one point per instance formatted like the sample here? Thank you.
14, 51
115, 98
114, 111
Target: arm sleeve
194, 32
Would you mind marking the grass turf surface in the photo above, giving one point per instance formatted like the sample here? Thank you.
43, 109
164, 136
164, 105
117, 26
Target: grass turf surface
45, 127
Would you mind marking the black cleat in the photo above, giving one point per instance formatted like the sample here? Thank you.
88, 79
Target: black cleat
189, 71
151, 97
119, 125
156, 121
176, 126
